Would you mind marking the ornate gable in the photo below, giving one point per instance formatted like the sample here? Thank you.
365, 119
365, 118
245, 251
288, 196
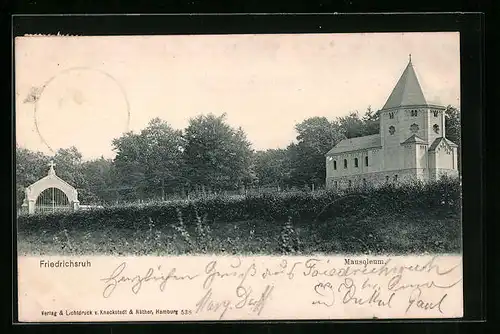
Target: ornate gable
51, 181
441, 144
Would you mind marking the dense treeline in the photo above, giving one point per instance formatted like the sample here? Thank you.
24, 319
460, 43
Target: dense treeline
207, 156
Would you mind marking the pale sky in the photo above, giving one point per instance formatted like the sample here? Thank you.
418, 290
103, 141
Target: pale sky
264, 83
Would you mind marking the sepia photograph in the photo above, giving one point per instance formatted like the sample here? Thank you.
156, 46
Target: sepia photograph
327, 166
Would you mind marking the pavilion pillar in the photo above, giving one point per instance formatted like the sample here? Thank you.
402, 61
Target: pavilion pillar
31, 206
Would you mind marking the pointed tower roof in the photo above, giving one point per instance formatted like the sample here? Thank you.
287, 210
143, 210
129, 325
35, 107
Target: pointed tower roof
407, 91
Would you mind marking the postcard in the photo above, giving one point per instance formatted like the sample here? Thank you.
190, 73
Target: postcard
238, 177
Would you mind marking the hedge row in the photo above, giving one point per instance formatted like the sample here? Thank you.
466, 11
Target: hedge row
443, 196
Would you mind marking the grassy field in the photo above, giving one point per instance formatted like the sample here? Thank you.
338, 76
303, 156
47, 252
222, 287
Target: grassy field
414, 219
398, 236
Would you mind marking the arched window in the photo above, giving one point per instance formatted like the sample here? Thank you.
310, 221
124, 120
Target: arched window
414, 113
366, 161
396, 178
350, 183
435, 112
335, 184
435, 127
355, 162
387, 178
391, 115
345, 163
364, 182
392, 129
335, 164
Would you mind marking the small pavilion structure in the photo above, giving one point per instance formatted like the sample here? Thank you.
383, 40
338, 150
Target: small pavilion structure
50, 194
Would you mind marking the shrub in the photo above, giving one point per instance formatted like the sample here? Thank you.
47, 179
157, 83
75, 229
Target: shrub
382, 219
442, 196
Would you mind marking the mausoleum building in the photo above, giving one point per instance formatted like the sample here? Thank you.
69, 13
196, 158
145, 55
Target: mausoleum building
411, 144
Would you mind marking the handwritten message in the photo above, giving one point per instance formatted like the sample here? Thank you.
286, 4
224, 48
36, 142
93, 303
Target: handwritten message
232, 288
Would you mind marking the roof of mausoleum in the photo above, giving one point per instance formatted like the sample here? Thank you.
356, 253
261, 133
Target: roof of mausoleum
357, 143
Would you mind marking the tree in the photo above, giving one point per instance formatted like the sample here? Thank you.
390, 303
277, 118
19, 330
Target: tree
68, 162
371, 122
164, 156
151, 161
453, 129
129, 164
30, 167
452, 124
69, 165
354, 126
217, 157
272, 167
99, 181
316, 136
